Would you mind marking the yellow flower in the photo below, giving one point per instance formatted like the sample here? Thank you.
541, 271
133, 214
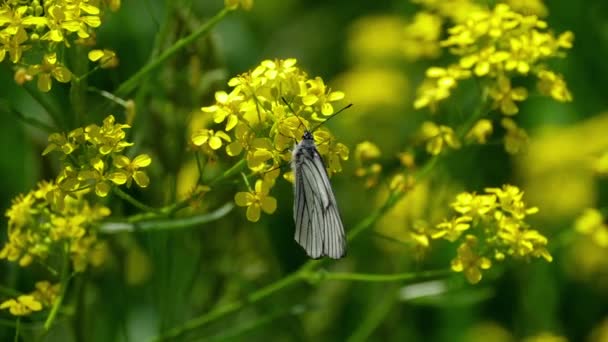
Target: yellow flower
20, 212
474, 205
451, 230
438, 136
227, 108
106, 58
13, 44
510, 200
315, 93
256, 200
50, 67
131, 169
422, 36
553, 84
504, 96
109, 138
46, 293
516, 139
207, 137
522, 242
469, 262
365, 155
22, 305
480, 131
591, 223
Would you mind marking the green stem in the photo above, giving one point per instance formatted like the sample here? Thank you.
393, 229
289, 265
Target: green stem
166, 224
65, 278
17, 329
235, 169
139, 205
374, 317
223, 310
366, 277
126, 87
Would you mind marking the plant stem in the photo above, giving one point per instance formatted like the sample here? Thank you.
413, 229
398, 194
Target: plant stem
139, 205
223, 310
126, 87
65, 278
366, 277
17, 329
235, 169
166, 224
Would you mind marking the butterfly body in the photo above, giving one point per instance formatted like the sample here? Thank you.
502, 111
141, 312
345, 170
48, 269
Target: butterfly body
319, 228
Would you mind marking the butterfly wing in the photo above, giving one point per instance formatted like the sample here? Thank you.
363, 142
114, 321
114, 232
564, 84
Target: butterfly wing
319, 228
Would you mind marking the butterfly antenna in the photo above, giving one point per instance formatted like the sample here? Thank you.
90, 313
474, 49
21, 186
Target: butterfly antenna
294, 113
334, 114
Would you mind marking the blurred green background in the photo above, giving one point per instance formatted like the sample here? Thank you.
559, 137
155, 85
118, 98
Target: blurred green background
155, 281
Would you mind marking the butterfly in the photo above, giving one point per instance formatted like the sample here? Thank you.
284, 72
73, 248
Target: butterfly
319, 228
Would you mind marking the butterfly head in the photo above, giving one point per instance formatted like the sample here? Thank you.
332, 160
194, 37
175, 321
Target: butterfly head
307, 135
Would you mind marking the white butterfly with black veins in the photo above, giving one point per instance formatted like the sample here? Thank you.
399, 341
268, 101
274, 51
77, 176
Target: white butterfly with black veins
319, 228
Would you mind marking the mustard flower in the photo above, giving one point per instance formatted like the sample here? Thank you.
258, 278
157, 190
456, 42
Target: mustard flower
474, 205
504, 96
22, 305
109, 138
480, 131
553, 84
516, 139
470, 263
132, 169
366, 154
437, 137
422, 36
510, 200
50, 67
208, 137
259, 125
226, 107
257, 200
452, 229
591, 223
496, 45
106, 58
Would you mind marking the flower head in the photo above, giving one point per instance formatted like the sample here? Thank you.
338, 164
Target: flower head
257, 200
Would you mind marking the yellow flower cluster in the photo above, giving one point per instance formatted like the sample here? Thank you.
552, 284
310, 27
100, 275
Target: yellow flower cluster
591, 223
43, 28
491, 226
39, 228
43, 297
437, 137
366, 155
254, 121
92, 159
498, 46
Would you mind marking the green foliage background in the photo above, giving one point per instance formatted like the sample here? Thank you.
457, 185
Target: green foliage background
155, 281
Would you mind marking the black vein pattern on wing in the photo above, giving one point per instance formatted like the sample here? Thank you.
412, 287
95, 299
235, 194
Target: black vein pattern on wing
318, 225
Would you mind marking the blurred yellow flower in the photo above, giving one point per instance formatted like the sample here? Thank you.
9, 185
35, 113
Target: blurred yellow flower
22, 305
469, 262
591, 223
437, 137
480, 131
